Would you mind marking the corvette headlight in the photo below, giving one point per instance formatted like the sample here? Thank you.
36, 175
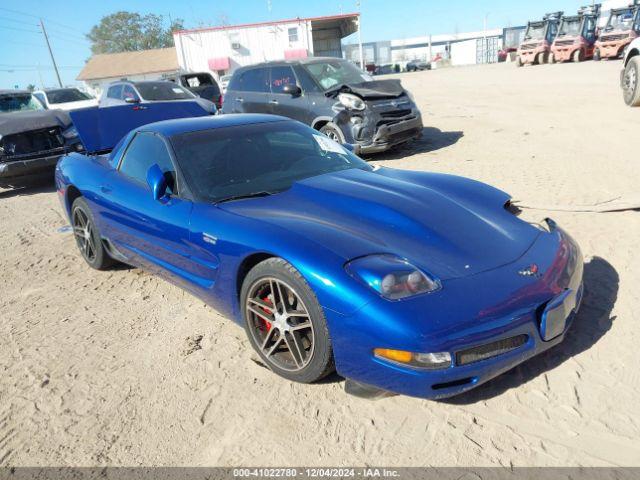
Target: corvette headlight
429, 361
70, 133
351, 101
391, 277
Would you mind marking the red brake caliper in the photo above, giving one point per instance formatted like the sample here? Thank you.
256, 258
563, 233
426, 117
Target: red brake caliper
265, 323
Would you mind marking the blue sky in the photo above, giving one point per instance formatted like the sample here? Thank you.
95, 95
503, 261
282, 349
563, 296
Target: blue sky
25, 59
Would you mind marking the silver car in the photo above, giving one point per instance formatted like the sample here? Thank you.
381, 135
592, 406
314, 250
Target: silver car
126, 92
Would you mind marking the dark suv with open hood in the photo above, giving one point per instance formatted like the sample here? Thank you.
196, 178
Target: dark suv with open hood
331, 95
32, 139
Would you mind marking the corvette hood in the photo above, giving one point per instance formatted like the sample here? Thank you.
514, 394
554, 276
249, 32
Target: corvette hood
356, 213
18, 122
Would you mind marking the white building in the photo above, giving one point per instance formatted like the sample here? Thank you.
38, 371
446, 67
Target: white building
461, 48
223, 49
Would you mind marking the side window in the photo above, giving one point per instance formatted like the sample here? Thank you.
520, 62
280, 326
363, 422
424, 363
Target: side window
114, 92
145, 150
280, 77
255, 80
129, 92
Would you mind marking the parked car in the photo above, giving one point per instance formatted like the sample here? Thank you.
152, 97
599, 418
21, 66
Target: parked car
65, 99
125, 92
418, 283
201, 84
504, 52
384, 69
630, 75
224, 83
417, 65
32, 139
331, 95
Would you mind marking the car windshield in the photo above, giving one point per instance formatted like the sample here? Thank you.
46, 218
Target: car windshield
259, 159
158, 91
570, 27
65, 95
621, 20
333, 73
535, 31
18, 102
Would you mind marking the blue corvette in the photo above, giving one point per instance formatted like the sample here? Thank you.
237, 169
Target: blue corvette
417, 283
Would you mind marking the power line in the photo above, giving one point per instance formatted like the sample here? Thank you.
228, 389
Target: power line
37, 17
17, 29
18, 21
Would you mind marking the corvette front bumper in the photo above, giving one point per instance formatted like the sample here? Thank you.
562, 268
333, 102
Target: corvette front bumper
489, 323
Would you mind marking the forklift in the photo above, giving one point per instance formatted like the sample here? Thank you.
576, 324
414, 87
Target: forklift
536, 44
622, 28
577, 36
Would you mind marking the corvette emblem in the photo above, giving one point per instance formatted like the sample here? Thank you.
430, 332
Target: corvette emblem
530, 271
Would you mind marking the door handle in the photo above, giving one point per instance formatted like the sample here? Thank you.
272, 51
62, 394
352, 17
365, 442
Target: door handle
239, 99
273, 102
105, 189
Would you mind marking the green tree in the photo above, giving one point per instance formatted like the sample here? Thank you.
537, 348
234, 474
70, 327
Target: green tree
129, 31
31, 87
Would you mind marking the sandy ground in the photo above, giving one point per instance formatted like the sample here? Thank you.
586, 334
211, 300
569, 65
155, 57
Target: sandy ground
121, 368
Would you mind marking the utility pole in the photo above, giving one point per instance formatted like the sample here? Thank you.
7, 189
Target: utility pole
55, 66
360, 35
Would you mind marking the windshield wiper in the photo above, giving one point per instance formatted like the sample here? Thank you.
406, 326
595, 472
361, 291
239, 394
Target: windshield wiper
242, 196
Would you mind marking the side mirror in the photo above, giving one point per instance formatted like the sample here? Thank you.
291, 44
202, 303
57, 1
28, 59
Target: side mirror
157, 181
292, 89
131, 100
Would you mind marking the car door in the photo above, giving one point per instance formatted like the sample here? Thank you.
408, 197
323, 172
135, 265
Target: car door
253, 92
294, 106
152, 233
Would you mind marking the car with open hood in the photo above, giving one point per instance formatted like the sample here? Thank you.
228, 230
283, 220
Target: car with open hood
418, 283
331, 95
32, 139
147, 92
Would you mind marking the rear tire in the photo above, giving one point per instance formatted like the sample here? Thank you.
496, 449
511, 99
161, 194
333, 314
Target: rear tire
519, 63
578, 56
596, 55
630, 82
552, 59
541, 58
88, 237
296, 347
332, 131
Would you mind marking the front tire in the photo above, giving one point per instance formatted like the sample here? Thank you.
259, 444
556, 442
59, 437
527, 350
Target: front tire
630, 82
332, 131
285, 323
578, 56
88, 237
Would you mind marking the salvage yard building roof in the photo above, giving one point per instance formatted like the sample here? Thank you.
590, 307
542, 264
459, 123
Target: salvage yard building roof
116, 65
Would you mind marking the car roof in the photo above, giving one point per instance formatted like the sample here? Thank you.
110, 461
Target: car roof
9, 92
301, 61
169, 128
